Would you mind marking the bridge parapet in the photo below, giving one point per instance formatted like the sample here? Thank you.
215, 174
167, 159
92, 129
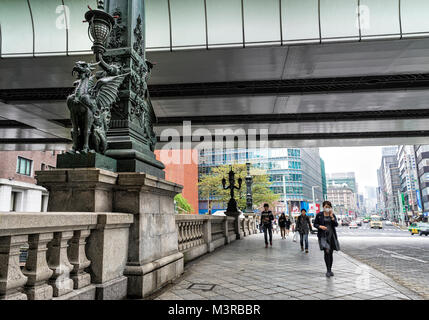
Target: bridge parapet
71, 255
200, 234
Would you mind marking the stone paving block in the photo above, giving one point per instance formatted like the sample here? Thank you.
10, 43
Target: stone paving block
237, 271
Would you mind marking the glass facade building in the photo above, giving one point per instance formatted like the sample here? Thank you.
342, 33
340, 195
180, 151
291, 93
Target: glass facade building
340, 178
422, 159
301, 169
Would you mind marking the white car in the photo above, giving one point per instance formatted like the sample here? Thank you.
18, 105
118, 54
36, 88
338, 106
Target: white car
353, 225
388, 223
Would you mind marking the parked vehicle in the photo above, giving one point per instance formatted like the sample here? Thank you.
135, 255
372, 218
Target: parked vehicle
388, 223
365, 220
359, 223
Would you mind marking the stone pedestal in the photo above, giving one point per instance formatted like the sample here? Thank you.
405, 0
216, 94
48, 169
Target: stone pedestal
86, 160
152, 258
237, 223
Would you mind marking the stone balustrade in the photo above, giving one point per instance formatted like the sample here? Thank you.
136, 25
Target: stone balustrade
70, 255
83, 255
200, 234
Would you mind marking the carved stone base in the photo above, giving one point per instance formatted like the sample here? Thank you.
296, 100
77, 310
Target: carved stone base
86, 160
146, 279
61, 286
135, 161
87, 293
81, 280
115, 289
14, 296
42, 292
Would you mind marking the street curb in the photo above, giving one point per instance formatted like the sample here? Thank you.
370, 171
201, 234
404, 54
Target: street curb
381, 276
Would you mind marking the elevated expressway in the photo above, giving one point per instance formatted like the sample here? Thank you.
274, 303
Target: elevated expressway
307, 81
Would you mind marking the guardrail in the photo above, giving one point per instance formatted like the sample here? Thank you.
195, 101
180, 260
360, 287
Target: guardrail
200, 234
69, 255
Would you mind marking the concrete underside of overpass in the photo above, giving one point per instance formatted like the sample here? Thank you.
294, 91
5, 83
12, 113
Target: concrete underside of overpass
314, 95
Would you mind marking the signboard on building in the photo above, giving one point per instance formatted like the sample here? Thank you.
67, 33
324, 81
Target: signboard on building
419, 200
312, 208
295, 207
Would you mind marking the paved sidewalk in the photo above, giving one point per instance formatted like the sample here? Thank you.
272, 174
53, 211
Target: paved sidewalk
246, 270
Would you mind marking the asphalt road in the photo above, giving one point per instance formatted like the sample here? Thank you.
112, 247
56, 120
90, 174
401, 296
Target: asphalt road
392, 251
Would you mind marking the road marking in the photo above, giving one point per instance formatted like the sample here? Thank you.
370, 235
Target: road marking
394, 254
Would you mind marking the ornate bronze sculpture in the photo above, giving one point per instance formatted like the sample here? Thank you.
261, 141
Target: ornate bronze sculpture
90, 104
90, 107
232, 204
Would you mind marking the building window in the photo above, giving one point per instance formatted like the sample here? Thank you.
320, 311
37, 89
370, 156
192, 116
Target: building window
24, 166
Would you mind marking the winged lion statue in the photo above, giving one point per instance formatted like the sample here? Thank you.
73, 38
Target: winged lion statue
90, 106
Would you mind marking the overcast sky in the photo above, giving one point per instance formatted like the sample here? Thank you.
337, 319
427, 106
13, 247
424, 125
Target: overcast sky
363, 161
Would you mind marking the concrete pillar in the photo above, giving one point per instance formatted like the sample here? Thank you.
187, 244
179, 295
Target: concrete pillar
207, 231
5, 198
32, 201
225, 230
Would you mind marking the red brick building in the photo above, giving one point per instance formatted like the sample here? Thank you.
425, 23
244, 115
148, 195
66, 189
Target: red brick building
18, 189
21, 165
182, 170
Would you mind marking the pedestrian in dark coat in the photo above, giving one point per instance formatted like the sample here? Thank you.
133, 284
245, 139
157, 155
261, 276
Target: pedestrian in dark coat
326, 222
303, 226
288, 224
267, 218
282, 225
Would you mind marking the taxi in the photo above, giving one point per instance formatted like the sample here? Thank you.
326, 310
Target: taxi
414, 228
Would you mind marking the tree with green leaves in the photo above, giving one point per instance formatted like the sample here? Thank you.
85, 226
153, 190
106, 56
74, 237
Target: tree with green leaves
211, 185
183, 206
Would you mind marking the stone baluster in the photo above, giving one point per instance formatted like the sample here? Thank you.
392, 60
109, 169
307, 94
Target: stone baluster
37, 269
77, 257
187, 226
183, 226
191, 234
59, 263
194, 231
179, 235
12, 279
201, 232
197, 232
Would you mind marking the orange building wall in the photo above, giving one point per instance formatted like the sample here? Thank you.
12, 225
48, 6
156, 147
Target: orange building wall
185, 175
